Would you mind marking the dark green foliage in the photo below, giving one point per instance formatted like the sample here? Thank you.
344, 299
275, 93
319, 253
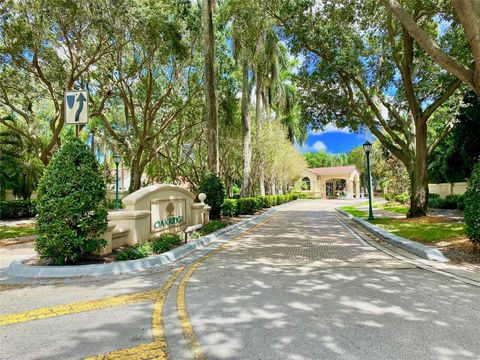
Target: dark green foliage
20, 169
403, 198
454, 201
173, 239
212, 186
110, 203
160, 246
213, 226
454, 158
247, 206
273, 200
72, 216
230, 208
450, 202
137, 251
472, 206
17, 209
259, 200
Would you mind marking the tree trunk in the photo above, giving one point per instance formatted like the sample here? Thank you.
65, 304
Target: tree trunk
135, 176
246, 128
418, 175
210, 87
258, 119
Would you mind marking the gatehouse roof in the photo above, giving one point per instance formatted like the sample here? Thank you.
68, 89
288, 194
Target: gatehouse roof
342, 170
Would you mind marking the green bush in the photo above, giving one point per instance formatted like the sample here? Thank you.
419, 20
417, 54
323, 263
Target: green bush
247, 206
160, 246
212, 186
266, 202
454, 202
137, 251
17, 209
173, 239
213, 226
402, 198
259, 200
472, 206
280, 199
72, 216
230, 207
273, 200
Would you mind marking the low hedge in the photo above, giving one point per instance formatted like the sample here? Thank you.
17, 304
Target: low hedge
472, 206
17, 209
248, 206
157, 246
450, 202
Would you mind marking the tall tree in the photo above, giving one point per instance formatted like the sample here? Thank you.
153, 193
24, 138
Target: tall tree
210, 85
47, 48
363, 68
468, 13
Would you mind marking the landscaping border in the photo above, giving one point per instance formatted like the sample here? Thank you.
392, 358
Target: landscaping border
20, 270
424, 251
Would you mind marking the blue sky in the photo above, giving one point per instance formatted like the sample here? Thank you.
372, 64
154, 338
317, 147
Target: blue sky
332, 140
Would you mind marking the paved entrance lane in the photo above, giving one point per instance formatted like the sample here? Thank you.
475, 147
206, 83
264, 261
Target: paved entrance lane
302, 286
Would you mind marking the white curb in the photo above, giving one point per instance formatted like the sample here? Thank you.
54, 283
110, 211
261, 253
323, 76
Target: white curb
416, 248
18, 269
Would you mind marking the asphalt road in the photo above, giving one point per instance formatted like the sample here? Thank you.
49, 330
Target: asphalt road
299, 286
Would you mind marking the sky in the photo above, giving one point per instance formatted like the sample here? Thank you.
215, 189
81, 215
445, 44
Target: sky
332, 140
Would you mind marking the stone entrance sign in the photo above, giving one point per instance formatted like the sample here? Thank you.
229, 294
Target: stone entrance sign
153, 210
167, 213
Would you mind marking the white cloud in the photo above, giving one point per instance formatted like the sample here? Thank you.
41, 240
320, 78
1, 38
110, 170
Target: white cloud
329, 128
315, 147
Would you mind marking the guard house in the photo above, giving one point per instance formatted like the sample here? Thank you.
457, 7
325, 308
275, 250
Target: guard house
331, 182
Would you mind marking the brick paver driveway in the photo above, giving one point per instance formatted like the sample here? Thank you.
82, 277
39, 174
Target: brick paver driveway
301, 285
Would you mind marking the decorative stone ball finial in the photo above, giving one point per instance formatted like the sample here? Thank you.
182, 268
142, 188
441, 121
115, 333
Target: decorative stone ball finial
202, 197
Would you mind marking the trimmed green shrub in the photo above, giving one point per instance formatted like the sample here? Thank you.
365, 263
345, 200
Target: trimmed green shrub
213, 226
259, 200
137, 251
472, 206
454, 201
247, 206
213, 187
72, 216
280, 199
266, 201
17, 209
229, 207
273, 200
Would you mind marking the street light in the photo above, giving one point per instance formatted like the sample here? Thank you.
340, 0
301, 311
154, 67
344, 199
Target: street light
116, 158
368, 147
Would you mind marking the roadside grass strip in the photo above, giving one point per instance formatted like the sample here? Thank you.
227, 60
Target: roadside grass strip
156, 349
79, 307
191, 338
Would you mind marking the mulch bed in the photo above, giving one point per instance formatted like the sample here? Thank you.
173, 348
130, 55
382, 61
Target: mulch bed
460, 250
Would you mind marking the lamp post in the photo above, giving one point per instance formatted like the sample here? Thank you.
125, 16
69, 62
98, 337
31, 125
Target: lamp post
116, 158
368, 147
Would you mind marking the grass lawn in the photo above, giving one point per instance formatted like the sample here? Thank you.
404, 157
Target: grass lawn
396, 209
425, 229
7, 232
352, 210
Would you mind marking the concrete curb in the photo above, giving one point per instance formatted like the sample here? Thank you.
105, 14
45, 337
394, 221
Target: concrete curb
425, 252
19, 270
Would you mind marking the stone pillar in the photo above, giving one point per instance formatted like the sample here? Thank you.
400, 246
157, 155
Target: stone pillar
323, 185
206, 214
107, 235
349, 189
197, 214
357, 189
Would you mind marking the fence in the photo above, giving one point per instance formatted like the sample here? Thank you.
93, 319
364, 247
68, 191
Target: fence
448, 189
